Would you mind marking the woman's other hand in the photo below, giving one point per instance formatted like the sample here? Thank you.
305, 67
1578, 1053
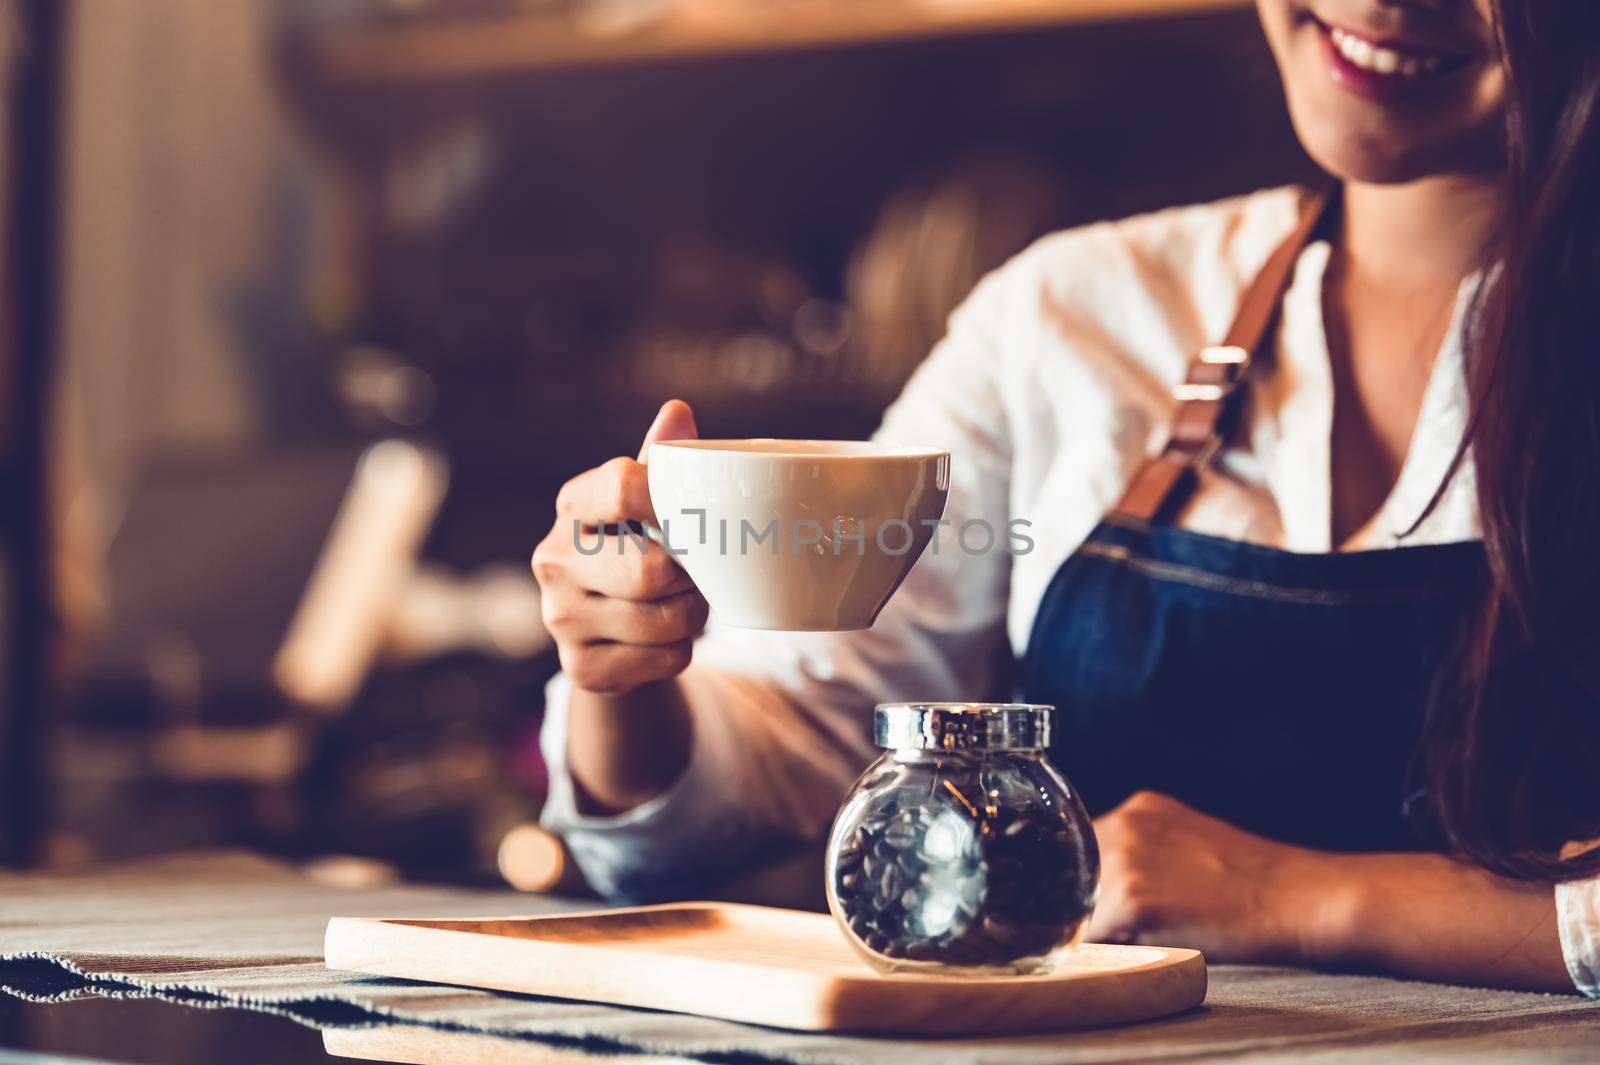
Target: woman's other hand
1175, 877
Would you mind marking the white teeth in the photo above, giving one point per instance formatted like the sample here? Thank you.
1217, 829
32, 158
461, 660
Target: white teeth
1368, 56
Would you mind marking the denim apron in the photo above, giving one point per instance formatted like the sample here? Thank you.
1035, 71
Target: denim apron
1281, 692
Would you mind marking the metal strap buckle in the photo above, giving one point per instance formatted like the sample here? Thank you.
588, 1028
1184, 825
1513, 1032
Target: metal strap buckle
1225, 355
1235, 361
1192, 393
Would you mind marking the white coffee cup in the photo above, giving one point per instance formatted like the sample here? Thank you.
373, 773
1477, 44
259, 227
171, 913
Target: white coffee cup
798, 535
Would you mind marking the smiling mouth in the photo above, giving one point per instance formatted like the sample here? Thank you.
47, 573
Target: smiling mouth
1381, 68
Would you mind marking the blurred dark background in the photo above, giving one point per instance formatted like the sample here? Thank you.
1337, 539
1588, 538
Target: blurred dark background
310, 307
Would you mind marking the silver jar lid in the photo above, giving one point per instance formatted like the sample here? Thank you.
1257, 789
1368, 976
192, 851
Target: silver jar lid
963, 726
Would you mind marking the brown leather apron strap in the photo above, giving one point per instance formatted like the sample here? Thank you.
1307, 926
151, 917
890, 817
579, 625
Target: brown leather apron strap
1210, 389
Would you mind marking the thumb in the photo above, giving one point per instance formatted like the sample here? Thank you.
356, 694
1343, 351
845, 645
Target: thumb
675, 421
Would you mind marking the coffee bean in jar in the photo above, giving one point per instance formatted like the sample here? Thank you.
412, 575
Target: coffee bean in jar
962, 849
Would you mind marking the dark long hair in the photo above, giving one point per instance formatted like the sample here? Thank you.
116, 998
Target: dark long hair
1512, 755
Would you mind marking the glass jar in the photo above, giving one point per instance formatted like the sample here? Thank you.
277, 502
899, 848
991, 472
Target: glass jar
962, 849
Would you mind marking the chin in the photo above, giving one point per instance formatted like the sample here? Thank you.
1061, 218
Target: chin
1354, 155
1389, 95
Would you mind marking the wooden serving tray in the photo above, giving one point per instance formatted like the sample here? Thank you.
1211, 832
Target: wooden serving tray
781, 968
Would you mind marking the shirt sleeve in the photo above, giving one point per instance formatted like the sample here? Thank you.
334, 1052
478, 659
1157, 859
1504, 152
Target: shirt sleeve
1578, 915
781, 721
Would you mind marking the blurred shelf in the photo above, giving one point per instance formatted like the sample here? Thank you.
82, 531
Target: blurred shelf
444, 49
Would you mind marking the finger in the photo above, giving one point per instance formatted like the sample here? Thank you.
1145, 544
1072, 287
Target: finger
610, 494
1129, 908
549, 563
1105, 925
624, 570
653, 623
674, 421
607, 668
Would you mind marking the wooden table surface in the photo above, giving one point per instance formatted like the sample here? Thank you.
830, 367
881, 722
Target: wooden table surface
231, 930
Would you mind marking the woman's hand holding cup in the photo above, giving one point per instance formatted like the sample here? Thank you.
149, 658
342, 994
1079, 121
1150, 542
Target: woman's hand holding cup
621, 619
792, 535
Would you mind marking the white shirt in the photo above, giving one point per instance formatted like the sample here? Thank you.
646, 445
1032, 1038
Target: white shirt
1053, 384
